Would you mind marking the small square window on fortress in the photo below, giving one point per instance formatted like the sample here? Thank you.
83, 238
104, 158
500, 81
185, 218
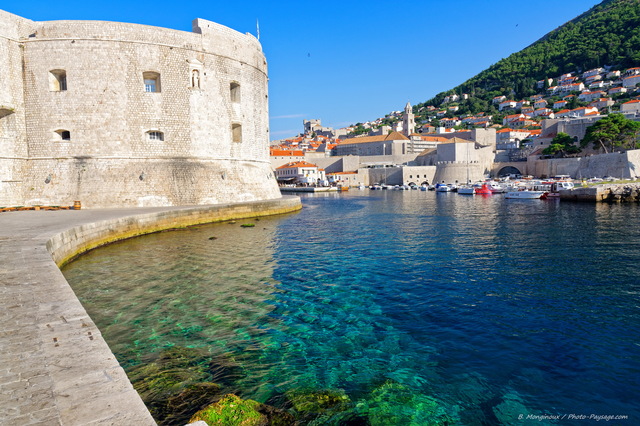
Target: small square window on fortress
235, 92
57, 80
151, 81
63, 135
155, 136
236, 132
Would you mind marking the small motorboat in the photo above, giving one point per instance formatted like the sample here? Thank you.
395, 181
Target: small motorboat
496, 188
526, 195
441, 187
466, 190
484, 190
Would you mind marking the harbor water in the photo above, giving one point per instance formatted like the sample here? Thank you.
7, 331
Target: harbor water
413, 305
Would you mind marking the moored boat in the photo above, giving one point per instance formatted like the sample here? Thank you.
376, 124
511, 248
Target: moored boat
484, 190
557, 186
526, 195
495, 187
441, 187
466, 190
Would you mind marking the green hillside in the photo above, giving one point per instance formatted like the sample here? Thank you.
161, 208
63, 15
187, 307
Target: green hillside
606, 35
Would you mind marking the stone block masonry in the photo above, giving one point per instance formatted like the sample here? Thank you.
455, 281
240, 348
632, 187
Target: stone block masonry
125, 115
608, 193
55, 367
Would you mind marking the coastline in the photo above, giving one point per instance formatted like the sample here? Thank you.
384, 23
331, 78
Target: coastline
58, 368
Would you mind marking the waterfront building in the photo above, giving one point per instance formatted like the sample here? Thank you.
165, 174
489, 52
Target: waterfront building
300, 172
164, 117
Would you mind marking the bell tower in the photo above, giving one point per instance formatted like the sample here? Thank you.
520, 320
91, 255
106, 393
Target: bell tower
408, 120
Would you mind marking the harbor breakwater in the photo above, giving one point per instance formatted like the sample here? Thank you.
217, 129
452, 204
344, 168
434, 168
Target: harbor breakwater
608, 193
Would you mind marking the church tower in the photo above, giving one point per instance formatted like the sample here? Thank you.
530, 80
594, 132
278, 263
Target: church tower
408, 120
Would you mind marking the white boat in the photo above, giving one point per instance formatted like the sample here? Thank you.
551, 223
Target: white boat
560, 185
441, 187
526, 195
466, 190
496, 188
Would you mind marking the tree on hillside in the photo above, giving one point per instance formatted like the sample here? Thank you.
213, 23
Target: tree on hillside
608, 34
561, 145
611, 132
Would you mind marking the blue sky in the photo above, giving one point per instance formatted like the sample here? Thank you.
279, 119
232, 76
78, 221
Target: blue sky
347, 62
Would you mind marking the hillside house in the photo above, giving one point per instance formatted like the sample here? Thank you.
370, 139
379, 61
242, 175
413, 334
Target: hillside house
560, 104
631, 80
540, 103
544, 113
498, 99
631, 106
602, 103
613, 75
591, 96
507, 105
617, 90
592, 73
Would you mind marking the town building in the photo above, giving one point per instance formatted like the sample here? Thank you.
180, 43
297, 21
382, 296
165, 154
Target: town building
510, 138
301, 172
391, 144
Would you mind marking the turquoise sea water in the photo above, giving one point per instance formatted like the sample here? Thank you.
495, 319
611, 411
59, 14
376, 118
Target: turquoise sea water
493, 308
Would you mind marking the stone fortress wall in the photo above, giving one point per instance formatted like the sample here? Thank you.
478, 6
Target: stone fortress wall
124, 115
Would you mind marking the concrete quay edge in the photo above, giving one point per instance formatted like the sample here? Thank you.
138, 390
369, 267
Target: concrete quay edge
55, 367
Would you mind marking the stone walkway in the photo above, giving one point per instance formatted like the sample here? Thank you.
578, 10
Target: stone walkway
55, 367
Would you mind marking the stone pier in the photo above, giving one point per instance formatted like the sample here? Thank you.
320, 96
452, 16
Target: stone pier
55, 367
609, 193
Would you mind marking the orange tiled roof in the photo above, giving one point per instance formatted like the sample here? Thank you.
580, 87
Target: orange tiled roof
287, 152
434, 139
296, 164
393, 136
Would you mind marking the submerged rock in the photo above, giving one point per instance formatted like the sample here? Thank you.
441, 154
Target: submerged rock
323, 407
396, 404
231, 410
318, 401
179, 382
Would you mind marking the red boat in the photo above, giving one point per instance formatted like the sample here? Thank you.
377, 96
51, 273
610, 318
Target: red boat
484, 190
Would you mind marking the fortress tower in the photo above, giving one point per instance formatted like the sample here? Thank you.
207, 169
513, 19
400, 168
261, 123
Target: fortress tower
120, 115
